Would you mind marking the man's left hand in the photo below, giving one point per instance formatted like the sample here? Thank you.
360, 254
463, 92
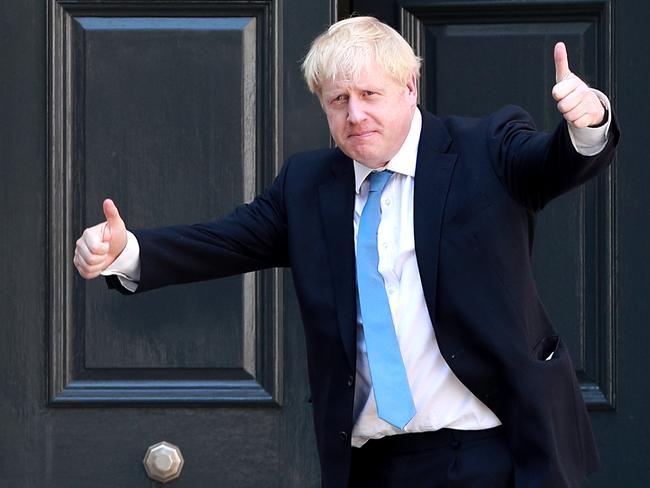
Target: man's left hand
577, 103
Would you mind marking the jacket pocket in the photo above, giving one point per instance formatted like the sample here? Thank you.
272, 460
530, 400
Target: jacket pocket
547, 348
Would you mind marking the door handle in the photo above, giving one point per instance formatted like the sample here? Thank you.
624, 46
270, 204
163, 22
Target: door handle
163, 462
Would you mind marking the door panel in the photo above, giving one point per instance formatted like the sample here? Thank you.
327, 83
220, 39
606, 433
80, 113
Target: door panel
507, 57
173, 117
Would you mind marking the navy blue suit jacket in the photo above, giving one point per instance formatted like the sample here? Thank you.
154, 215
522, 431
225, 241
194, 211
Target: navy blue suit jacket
478, 186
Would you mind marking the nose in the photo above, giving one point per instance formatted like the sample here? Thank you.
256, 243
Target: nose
356, 112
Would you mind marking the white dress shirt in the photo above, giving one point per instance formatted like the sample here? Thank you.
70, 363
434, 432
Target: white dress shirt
441, 400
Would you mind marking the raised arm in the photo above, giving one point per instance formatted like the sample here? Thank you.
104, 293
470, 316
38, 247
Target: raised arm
537, 166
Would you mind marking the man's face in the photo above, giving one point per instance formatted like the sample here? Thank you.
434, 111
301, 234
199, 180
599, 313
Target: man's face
369, 118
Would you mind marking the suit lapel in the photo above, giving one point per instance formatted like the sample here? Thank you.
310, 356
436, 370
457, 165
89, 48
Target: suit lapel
337, 210
432, 180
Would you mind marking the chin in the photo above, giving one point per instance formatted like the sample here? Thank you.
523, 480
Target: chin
371, 163
366, 158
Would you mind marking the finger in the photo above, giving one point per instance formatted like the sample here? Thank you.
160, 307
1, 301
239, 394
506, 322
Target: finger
113, 219
585, 120
562, 71
85, 270
575, 114
81, 267
92, 239
582, 103
89, 257
583, 116
565, 87
88, 274
569, 102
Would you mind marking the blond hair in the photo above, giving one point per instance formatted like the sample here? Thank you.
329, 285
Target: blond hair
349, 45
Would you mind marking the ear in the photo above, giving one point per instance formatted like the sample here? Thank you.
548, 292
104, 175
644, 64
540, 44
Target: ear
412, 89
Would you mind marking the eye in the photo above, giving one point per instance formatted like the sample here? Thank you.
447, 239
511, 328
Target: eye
369, 93
339, 99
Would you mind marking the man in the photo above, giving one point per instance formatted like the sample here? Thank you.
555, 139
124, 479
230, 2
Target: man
431, 361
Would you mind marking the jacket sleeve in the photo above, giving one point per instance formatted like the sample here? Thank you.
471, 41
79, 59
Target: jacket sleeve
537, 166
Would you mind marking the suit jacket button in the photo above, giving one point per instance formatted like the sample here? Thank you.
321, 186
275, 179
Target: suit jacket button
350, 380
343, 435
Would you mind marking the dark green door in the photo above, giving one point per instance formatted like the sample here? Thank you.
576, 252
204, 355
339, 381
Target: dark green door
178, 111
591, 250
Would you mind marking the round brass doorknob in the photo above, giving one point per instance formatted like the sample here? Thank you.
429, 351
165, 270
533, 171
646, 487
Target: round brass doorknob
163, 462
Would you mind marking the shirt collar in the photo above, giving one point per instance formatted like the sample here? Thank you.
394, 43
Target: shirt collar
404, 161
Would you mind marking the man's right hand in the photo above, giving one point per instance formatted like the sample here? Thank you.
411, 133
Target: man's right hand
100, 245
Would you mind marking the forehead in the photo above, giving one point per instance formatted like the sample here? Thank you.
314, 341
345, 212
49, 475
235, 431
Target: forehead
370, 75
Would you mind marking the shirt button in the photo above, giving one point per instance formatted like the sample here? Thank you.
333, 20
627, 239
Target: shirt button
387, 201
385, 244
391, 290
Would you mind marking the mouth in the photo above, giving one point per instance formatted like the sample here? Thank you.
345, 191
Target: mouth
362, 135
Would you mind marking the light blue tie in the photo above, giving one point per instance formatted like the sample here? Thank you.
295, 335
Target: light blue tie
392, 392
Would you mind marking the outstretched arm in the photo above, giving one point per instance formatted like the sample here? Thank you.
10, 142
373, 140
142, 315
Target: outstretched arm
252, 237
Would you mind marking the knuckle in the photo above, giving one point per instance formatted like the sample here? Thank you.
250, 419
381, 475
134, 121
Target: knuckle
88, 272
96, 248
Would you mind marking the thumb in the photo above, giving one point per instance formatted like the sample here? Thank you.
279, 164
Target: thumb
562, 70
113, 219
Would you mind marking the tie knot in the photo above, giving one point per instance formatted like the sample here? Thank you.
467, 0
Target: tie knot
378, 180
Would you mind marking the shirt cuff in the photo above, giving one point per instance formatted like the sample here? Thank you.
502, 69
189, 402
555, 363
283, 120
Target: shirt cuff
589, 141
127, 265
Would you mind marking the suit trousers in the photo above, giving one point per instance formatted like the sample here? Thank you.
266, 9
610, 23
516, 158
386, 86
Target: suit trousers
442, 459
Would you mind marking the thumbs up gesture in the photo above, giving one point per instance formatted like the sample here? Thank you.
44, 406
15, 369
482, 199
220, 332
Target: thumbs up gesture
577, 103
100, 245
